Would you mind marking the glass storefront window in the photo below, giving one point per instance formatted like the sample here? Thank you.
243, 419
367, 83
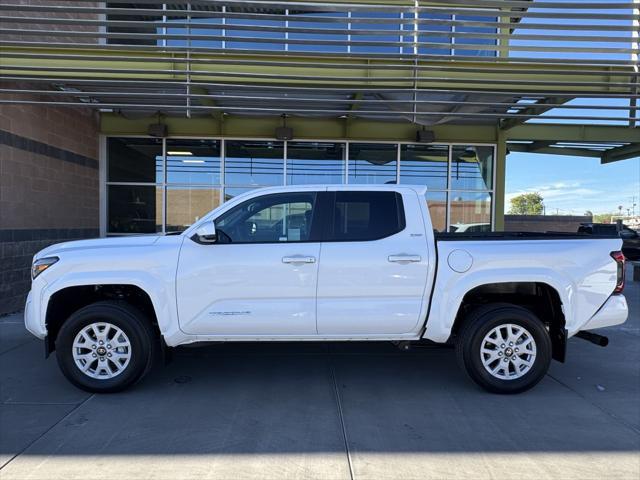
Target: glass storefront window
372, 163
187, 174
471, 167
470, 212
193, 161
424, 165
250, 163
134, 209
134, 160
437, 203
315, 162
186, 205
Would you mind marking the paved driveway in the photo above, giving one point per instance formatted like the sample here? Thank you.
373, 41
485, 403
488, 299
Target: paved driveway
323, 411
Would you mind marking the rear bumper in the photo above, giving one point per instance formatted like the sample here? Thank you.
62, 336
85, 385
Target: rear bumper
614, 312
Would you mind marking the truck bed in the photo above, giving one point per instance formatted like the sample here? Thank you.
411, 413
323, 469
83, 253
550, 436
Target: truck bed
475, 236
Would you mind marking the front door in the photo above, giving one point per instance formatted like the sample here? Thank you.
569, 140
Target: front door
260, 276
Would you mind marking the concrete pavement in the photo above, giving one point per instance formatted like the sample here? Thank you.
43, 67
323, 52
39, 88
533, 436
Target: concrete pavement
364, 411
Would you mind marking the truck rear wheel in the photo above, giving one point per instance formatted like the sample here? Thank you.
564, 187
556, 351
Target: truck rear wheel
105, 347
504, 348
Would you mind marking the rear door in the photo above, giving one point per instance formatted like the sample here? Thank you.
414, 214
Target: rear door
374, 268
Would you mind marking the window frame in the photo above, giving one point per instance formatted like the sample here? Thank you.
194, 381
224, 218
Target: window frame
329, 220
317, 218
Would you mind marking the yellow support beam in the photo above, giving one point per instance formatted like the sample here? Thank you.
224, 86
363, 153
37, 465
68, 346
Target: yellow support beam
303, 128
314, 71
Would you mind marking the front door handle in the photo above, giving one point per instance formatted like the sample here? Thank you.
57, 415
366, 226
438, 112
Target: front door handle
403, 258
298, 259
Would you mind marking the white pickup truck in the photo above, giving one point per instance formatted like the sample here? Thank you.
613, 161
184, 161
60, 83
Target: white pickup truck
324, 263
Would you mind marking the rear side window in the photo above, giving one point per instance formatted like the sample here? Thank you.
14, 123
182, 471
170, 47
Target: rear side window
361, 216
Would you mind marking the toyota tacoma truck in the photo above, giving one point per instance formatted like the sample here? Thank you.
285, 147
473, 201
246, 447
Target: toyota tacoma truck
324, 263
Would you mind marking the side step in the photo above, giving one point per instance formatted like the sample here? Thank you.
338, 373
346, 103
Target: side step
599, 340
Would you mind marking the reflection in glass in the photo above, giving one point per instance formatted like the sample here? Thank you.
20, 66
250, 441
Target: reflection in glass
186, 205
315, 162
134, 209
254, 163
424, 165
372, 163
470, 212
437, 203
472, 167
193, 161
134, 160
269, 218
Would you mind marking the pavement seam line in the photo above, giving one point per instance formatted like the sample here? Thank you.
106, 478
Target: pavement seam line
11, 349
345, 437
593, 404
47, 430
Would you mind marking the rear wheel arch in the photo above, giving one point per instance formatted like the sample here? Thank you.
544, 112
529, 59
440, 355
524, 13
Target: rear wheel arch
541, 299
504, 348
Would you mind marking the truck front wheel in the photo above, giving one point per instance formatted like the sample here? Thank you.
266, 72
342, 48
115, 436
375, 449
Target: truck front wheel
504, 348
105, 347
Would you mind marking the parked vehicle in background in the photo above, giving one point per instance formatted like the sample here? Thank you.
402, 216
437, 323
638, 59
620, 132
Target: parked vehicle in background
470, 227
318, 263
630, 238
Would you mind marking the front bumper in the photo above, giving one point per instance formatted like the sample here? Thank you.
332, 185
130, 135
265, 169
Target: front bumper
32, 317
614, 312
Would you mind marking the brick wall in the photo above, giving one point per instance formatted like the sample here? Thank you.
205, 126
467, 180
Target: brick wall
49, 187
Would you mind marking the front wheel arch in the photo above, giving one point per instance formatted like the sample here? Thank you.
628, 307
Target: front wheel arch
142, 350
66, 301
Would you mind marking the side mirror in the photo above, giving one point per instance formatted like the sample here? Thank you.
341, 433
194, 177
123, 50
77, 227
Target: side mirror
206, 233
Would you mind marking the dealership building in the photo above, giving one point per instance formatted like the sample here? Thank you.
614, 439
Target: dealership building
138, 118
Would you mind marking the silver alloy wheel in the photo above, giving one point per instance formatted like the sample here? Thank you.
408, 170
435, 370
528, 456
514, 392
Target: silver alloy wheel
101, 350
508, 351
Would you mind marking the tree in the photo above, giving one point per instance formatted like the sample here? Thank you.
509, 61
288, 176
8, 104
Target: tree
602, 217
527, 204
588, 213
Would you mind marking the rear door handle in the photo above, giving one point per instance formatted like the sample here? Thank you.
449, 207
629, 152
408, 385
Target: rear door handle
298, 259
404, 258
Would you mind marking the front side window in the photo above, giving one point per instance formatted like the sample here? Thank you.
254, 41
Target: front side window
361, 216
286, 217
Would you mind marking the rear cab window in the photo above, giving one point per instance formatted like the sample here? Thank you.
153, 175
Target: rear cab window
365, 216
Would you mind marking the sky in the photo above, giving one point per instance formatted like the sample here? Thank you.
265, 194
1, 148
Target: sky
572, 185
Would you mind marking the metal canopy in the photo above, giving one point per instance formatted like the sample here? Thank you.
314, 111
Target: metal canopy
486, 62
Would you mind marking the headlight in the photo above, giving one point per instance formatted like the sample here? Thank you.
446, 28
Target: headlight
41, 265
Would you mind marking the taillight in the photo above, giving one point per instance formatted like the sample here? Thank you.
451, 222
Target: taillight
619, 258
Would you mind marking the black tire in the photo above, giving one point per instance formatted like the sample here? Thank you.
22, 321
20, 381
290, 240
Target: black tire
123, 316
481, 322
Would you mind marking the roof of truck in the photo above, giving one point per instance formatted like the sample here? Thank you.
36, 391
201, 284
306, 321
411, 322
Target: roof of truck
419, 189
